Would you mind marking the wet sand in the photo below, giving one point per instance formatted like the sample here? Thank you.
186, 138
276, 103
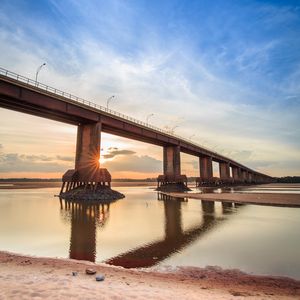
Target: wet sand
274, 199
25, 277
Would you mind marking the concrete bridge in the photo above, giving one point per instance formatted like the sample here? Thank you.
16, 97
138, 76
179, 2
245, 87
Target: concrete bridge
22, 94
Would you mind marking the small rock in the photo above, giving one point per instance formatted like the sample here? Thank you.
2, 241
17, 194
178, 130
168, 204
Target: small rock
90, 271
74, 273
100, 278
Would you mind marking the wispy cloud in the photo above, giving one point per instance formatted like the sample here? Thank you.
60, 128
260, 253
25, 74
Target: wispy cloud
113, 152
14, 162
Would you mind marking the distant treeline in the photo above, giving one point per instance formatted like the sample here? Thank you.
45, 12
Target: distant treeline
289, 179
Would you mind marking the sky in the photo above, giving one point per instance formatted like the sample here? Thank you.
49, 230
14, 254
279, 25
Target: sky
225, 74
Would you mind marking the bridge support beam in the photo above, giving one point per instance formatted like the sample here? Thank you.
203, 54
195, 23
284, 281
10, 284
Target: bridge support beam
206, 171
172, 168
88, 151
172, 160
206, 168
224, 171
235, 174
244, 176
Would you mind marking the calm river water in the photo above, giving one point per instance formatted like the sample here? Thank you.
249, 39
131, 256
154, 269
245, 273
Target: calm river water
142, 231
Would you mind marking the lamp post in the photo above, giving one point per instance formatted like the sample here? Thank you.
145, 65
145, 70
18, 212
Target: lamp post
173, 128
148, 117
108, 100
38, 71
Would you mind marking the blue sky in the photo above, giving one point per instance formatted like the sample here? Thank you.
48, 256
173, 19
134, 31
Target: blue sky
227, 72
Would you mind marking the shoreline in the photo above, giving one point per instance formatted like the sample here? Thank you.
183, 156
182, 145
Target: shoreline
269, 199
28, 277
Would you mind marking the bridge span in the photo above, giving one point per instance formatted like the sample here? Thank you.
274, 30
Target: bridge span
24, 95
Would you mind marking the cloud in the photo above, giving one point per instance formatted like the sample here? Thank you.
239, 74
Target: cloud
134, 163
14, 162
113, 152
65, 158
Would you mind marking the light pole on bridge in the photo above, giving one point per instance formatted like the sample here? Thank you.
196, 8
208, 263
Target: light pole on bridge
108, 100
38, 71
148, 117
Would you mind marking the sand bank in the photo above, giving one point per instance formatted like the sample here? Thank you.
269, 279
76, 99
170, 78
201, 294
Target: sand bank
24, 277
275, 199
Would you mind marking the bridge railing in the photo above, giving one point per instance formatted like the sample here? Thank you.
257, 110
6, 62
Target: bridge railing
93, 105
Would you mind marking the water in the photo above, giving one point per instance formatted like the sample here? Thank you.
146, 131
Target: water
142, 231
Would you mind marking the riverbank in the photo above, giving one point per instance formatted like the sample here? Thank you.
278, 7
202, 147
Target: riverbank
274, 199
26, 277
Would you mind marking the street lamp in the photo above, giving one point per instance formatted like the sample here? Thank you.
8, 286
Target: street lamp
173, 128
37, 72
108, 100
148, 117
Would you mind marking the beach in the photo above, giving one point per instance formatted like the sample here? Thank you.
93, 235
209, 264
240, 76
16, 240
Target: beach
27, 277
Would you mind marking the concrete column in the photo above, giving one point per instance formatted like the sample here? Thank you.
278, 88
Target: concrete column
244, 175
172, 160
206, 167
235, 174
250, 176
88, 151
255, 178
224, 170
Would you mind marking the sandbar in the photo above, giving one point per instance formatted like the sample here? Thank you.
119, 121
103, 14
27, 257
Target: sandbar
274, 199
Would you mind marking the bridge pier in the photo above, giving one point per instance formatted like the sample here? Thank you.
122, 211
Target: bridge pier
172, 169
206, 171
224, 168
87, 176
88, 151
244, 176
236, 174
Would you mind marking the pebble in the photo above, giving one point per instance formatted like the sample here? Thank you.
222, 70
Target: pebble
100, 278
74, 273
90, 271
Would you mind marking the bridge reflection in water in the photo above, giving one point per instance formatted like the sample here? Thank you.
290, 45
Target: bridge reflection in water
86, 218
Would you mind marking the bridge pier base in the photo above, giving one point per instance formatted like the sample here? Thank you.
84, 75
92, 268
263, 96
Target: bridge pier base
88, 180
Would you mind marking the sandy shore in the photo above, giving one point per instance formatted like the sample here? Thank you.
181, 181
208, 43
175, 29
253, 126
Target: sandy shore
289, 200
24, 277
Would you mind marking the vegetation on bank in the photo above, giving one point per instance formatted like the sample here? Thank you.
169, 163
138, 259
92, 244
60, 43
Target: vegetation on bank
289, 179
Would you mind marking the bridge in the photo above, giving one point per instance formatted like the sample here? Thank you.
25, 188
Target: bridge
25, 95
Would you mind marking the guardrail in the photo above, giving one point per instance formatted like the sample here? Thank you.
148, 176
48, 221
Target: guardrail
93, 105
